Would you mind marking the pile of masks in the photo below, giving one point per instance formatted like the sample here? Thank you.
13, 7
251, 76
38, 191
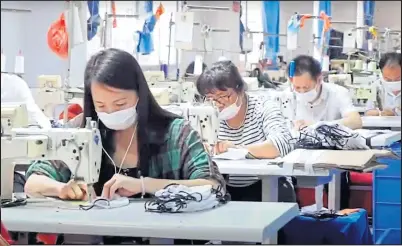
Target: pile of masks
329, 135
179, 198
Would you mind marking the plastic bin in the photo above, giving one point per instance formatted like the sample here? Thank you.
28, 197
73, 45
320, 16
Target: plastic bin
387, 199
390, 236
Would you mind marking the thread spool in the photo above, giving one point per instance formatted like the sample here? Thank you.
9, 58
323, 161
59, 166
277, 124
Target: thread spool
364, 67
372, 66
346, 67
19, 63
325, 64
358, 65
3, 61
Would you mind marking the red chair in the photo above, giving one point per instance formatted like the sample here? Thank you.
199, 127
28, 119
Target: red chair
361, 186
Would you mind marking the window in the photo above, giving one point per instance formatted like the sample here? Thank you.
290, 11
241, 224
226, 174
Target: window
124, 35
254, 24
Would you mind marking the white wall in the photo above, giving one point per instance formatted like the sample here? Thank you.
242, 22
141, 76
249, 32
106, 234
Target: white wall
28, 32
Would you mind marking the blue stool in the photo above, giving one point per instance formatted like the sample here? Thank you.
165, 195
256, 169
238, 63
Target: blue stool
350, 229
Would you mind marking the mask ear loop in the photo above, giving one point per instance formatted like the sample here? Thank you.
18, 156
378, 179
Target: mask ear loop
90, 206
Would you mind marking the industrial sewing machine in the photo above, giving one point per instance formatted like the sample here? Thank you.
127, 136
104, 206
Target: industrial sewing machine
252, 83
13, 115
161, 95
154, 76
50, 93
179, 91
79, 148
202, 117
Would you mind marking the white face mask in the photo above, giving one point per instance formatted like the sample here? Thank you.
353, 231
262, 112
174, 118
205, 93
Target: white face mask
229, 112
306, 97
119, 120
392, 86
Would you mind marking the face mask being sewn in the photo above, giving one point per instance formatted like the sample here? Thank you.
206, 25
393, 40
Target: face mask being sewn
229, 112
119, 120
106, 203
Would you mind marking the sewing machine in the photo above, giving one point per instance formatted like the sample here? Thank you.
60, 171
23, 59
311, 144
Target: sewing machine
363, 93
161, 95
178, 91
80, 149
251, 82
340, 79
202, 117
154, 76
13, 115
50, 93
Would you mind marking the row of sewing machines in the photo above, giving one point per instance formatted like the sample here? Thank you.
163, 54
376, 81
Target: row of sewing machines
79, 148
50, 93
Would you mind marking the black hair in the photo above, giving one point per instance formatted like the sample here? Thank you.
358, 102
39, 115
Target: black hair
190, 69
306, 64
221, 76
390, 59
119, 69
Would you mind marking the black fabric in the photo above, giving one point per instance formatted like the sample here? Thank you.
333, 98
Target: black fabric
345, 189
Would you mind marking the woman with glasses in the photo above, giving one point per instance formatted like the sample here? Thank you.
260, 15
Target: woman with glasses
247, 122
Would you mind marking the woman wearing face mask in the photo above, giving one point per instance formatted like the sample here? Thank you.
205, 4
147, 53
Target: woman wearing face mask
310, 100
246, 122
388, 101
145, 147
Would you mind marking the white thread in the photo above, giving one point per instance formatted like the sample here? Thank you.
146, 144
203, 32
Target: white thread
125, 155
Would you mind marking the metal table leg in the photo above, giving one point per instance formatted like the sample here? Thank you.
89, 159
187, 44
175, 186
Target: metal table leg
270, 194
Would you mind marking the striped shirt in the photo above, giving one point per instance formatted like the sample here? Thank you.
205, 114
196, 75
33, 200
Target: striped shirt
264, 121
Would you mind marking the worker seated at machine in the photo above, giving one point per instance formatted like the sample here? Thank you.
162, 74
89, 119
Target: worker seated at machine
140, 139
246, 122
388, 101
309, 99
15, 90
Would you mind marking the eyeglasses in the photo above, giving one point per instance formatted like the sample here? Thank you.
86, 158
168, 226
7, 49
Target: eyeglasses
218, 99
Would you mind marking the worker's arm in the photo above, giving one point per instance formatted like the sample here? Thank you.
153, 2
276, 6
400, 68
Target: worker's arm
350, 115
277, 134
46, 178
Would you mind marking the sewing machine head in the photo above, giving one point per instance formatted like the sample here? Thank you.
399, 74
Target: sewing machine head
79, 148
202, 117
340, 79
363, 93
12, 116
251, 82
178, 91
154, 76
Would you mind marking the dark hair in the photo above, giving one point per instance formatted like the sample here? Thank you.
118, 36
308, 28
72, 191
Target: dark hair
306, 64
190, 69
221, 76
390, 59
119, 69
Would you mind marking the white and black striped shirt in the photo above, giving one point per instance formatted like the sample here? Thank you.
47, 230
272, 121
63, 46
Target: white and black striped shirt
264, 121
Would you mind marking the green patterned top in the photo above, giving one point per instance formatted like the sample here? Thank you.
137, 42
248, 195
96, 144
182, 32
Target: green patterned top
181, 155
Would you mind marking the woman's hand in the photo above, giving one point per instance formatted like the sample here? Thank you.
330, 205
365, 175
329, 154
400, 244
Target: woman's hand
222, 147
300, 124
73, 191
122, 185
387, 112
